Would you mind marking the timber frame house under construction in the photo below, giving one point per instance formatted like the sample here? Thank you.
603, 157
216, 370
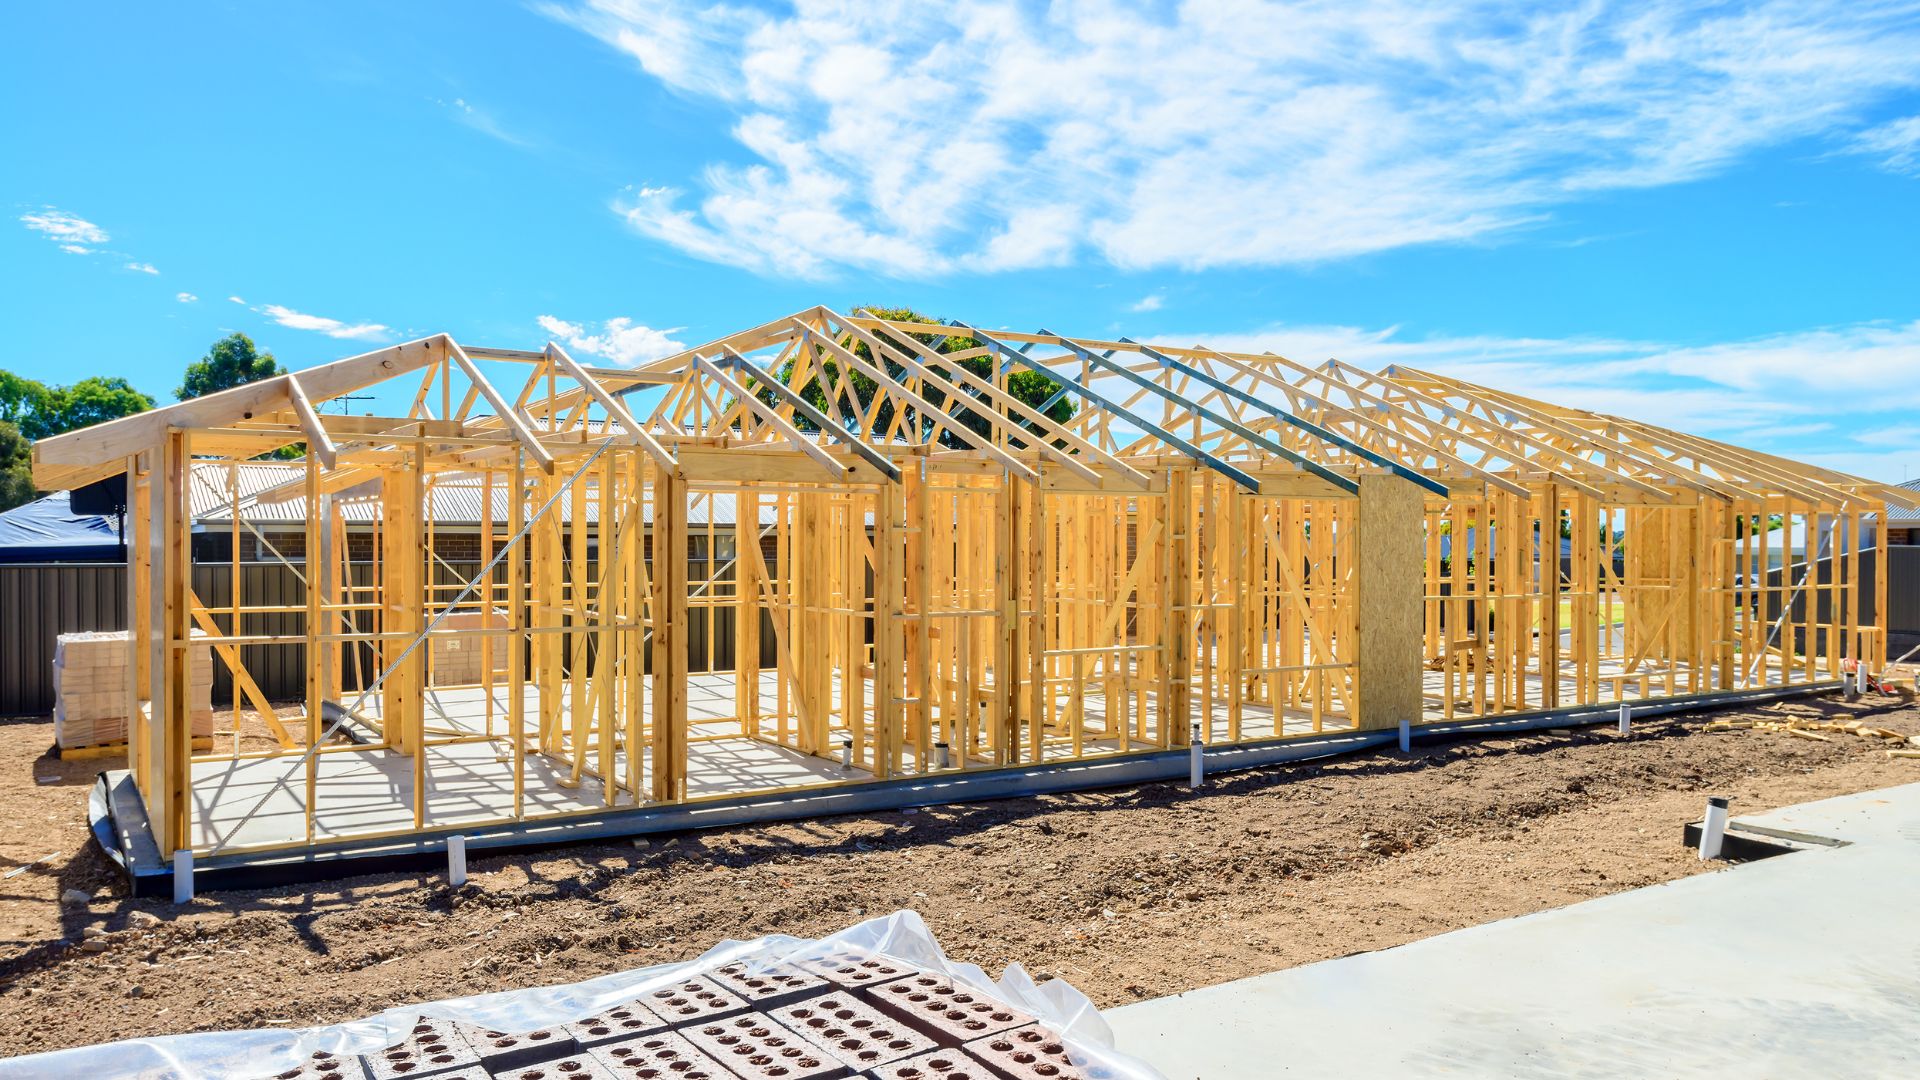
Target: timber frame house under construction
1239, 547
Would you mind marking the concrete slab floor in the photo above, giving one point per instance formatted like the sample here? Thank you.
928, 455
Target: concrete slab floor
1802, 965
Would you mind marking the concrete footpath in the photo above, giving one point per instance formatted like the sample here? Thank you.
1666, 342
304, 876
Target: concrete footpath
1802, 965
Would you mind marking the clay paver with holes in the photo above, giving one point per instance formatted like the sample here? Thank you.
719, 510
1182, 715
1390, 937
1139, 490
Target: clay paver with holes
324, 1066
758, 1048
950, 1011
693, 1001
1029, 1053
660, 1056
775, 983
946, 1064
500, 1050
430, 1048
571, 1067
853, 968
852, 1030
620, 1022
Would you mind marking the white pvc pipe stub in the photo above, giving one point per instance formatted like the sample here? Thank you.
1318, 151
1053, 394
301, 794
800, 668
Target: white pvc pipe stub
942, 756
1626, 719
183, 875
456, 861
1406, 736
1196, 760
846, 753
1713, 831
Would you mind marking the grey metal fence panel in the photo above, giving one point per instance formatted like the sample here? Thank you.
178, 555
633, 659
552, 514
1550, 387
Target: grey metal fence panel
41, 601
38, 603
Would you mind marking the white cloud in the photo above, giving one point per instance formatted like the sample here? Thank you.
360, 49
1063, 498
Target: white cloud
235, 300
186, 298
1837, 396
620, 340
331, 327
482, 121
1896, 144
142, 268
1150, 302
70, 231
916, 138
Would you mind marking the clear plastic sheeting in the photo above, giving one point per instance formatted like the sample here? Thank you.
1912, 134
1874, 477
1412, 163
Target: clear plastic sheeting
902, 937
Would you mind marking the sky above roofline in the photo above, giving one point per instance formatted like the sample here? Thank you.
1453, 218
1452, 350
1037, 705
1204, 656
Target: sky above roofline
1701, 216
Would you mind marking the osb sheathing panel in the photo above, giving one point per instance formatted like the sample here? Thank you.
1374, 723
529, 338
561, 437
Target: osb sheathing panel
1390, 586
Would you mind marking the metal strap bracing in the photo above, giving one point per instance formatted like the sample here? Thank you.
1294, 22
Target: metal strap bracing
1099, 400
1285, 417
801, 405
1217, 419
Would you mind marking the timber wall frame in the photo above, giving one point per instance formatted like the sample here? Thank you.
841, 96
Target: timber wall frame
1237, 546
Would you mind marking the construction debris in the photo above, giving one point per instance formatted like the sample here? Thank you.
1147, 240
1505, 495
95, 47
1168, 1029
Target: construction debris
1814, 729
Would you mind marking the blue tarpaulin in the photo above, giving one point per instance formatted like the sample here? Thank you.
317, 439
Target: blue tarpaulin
47, 530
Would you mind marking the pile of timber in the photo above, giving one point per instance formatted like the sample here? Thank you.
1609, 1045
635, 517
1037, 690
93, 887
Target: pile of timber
90, 689
1823, 730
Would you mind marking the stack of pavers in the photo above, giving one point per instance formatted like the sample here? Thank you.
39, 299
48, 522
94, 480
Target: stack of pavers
845, 1015
90, 689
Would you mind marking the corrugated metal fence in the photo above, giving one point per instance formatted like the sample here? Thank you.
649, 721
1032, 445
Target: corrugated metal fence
41, 601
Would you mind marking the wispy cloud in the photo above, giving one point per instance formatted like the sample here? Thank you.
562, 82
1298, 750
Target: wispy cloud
1896, 144
186, 298
920, 139
143, 268
482, 121
1837, 395
1150, 302
235, 300
73, 233
620, 340
299, 320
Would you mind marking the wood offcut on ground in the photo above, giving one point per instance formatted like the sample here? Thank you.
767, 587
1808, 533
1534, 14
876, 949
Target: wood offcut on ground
1127, 894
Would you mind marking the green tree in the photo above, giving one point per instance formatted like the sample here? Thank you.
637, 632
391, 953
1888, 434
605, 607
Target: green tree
20, 398
93, 400
16, 468
40, 411
232, 361
1031, 388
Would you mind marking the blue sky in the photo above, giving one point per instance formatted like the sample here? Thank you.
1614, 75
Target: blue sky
1699, 215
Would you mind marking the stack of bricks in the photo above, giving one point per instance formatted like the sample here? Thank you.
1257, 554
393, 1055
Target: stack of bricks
844, 1016
459, 660
90, 689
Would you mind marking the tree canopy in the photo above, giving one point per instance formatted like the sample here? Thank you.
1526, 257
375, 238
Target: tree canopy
232, 361
16, 467
38, 410
1031, 388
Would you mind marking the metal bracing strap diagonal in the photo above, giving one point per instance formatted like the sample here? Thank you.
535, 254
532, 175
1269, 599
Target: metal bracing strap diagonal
812, 415
1101, 401
1283, 416
472, 584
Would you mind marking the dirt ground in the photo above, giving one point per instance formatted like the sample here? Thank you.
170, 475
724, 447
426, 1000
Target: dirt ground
1127, 894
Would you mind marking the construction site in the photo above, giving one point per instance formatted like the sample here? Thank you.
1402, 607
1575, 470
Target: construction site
843, 614
729, 579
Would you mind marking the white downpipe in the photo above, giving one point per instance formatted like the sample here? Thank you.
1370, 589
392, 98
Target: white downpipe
1196, 761
1406, 736
1626, 719
456, 860
1713, 832
183, 875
